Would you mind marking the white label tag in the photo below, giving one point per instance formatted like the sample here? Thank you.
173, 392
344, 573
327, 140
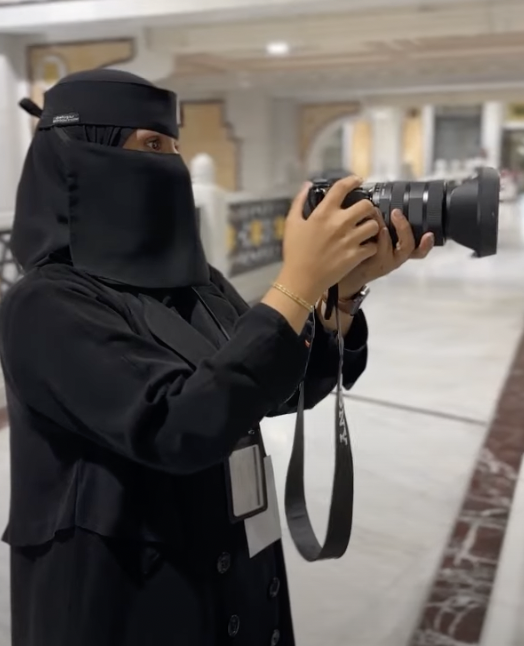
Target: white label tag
264, 529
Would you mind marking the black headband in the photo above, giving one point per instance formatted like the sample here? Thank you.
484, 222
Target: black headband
107, 103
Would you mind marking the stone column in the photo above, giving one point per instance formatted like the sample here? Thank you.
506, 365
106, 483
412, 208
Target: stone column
428, 128
491, 133
250, 114
387, 142
15, 124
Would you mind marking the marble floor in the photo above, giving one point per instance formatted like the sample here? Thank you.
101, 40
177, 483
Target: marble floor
442, 336
505, 618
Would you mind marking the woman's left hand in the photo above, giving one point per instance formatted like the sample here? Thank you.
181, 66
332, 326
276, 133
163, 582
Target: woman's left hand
387, 258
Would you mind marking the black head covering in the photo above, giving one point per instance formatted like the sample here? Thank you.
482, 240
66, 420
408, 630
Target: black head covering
123, 215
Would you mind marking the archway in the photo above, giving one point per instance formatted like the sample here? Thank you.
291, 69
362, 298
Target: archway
47, 64
342, 144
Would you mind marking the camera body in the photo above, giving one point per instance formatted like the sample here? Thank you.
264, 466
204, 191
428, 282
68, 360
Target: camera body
319, 189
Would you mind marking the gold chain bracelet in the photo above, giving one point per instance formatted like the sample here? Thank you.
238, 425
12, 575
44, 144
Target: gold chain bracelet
300, 301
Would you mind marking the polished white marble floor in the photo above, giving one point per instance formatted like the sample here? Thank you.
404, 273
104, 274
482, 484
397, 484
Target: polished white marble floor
443, 332
504, 624
410, 474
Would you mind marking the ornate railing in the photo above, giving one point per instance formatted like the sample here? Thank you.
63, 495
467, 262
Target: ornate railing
10, 272
256, 230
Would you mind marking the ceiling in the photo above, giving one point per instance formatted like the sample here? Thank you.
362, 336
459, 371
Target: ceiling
358, 52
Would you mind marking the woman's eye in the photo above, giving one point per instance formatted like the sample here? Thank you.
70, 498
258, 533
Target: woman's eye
154, 144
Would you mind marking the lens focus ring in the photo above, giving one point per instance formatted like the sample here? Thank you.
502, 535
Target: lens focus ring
434, 211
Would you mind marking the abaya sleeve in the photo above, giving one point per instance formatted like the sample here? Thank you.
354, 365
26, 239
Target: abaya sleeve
322, 369
74, 360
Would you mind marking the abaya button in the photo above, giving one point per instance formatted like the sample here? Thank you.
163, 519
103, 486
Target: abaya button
234, 626
274, 588
223, 563
275, 637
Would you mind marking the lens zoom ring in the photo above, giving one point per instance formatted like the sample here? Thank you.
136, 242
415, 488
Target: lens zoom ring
435, 210
397, 196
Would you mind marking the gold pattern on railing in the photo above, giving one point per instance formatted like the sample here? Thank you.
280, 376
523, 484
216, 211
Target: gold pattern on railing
279, 226
231, 238
255, 233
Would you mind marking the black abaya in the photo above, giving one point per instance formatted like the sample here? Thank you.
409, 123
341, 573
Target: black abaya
119, 526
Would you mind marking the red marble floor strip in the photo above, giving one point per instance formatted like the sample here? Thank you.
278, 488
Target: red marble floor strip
455, 610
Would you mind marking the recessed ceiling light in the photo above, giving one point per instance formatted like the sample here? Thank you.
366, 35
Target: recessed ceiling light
278, 48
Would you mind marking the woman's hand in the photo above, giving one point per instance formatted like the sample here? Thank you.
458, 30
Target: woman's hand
387, 258
331, 243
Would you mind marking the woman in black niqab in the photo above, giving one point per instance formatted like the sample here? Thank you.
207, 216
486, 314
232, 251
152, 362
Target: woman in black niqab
133, 371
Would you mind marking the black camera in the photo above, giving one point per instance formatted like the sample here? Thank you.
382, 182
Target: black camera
467, 212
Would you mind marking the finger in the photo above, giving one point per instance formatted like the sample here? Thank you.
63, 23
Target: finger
380, 218
366, 251
365, 231
338, 192
297, 207
426, 245
360, 211
385, 244
406, 239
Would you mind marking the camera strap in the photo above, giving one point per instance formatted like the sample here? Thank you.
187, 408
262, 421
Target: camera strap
341, 508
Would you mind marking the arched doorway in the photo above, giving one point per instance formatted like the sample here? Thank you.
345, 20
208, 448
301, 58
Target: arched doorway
342, 144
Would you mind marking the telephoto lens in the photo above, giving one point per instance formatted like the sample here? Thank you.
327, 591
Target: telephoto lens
467, 213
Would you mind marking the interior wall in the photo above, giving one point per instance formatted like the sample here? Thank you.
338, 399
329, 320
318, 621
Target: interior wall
413, 142
492, 129
287, 170
47, 64
362, 148
386, 124
331, 141
333, 153
205, 130
458, 132
15, 131
314, 117
514, 112
250, 113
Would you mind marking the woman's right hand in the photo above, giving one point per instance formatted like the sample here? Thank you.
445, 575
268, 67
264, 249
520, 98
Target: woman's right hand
320, 251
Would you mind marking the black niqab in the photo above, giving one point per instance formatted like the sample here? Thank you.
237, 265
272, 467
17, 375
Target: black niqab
122, 215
